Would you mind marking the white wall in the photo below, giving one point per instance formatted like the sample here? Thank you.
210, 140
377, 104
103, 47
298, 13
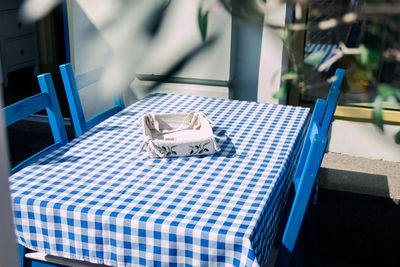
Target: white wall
364, 140
87, 49
272, 61
179, 33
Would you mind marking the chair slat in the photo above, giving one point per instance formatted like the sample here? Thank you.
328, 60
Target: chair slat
47, 99
73, 83
101, 117
332, 99
88, 78
316, 117
53, 110
74, 102
26, 107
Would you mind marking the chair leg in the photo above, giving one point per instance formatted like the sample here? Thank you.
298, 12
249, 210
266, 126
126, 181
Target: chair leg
43, 264
26, 262
22, 260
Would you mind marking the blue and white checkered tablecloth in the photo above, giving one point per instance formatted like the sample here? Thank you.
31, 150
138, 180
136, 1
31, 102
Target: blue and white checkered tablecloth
96, 200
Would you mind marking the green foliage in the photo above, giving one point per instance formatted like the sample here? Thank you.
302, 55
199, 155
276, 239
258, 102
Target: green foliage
282, 93
166, 150
386, 91
290, 76
397, 138
369, 58
377, 113
315, 58
203, 23
199, 149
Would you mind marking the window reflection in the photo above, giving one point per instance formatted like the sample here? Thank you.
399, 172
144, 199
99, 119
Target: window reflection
371, 33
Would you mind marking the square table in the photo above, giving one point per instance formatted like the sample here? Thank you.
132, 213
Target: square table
96, 199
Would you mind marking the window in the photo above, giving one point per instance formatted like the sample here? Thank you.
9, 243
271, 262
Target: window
373, 37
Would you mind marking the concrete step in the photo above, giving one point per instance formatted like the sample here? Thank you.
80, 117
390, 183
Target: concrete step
360, 175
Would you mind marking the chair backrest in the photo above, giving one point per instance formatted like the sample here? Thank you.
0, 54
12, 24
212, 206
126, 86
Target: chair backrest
72, 84
323, 114
307, 169
47, 99
304, 190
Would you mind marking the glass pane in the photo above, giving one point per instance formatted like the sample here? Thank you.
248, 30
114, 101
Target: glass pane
373, 37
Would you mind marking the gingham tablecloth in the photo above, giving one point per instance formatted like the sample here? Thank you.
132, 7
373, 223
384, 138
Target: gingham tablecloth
96, 200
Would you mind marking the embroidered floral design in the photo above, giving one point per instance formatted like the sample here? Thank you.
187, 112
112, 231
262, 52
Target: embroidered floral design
166, 150
198, 149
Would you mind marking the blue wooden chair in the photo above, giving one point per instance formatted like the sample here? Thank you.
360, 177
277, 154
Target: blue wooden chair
303, 193
307, 169
74, 83
47, 99
323, 112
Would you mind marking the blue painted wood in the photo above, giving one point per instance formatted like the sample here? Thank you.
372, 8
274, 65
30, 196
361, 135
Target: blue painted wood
34, 263
90, 123
306, 172
74, 83
301, 200
316, 117
88, 78
323, 114
75, 107
26, 107
332, 99
66, 30
47, 99
53, 110
21, 251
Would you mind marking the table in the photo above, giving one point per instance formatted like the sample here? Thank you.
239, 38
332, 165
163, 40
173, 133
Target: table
96, 200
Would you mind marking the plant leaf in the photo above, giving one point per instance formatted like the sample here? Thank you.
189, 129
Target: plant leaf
290, 76
397, 138
203, 23
282, 93
314, 58
397, 95
368, 57
377, 113
386, 90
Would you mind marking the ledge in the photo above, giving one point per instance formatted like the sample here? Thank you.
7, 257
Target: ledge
360, 175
